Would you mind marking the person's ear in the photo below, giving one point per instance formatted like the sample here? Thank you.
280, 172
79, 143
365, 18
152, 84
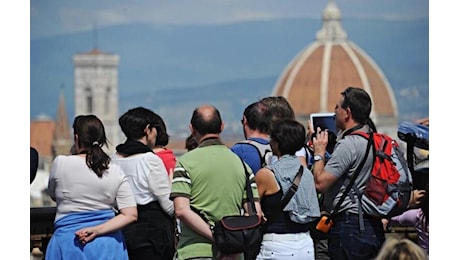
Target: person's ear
222, 127
76, 139
76, 143
348, 113
147, 129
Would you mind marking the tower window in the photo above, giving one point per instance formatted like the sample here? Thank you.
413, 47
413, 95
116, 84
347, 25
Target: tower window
89, 100
107, 99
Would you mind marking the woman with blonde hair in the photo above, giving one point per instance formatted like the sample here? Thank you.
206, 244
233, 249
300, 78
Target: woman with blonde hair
401, 249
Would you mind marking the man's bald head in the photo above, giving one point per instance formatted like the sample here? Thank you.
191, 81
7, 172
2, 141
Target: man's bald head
206, 120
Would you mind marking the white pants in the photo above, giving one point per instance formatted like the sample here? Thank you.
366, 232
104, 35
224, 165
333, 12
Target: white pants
287, 246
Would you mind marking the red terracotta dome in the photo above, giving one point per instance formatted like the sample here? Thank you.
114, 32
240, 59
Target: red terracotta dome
313, 80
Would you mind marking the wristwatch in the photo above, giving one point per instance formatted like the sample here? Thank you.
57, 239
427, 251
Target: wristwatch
318, 157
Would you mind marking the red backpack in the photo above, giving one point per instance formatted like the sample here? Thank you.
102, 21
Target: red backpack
389, 187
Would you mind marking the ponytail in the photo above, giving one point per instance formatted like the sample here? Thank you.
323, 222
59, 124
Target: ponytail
90, 133
97, 159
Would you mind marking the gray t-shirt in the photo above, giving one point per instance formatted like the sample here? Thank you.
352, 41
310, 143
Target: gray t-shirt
348, 154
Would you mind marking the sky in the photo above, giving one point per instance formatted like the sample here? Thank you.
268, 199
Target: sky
51, 17
22, 21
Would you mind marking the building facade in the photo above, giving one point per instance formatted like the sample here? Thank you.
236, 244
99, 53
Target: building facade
96, 90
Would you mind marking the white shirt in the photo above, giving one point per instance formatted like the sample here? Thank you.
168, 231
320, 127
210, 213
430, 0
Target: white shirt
77, 188
148, 178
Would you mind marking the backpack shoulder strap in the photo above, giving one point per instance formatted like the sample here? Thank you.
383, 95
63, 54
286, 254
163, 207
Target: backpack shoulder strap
360, 133
353, 178
261, 148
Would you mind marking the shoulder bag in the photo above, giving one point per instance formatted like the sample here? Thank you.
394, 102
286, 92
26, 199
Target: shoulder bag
236, 234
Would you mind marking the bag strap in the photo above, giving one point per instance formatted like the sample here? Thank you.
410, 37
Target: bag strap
249, 195
350, 184
355, 175
292, 190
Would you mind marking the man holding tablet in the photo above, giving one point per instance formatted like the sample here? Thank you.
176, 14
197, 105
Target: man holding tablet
347, 240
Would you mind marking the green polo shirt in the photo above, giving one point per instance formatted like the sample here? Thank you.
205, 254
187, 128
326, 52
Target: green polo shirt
213, 178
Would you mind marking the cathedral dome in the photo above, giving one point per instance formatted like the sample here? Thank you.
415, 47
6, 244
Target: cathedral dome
331, 12
313, 80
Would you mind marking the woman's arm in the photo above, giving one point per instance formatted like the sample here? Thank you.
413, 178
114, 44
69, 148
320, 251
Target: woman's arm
160, 184
266, 182
126, 216
258, 209
51, 189
407, 218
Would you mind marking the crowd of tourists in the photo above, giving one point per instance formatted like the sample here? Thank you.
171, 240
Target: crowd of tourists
144, 203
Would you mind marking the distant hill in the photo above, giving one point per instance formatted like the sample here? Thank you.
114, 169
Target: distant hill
172, 69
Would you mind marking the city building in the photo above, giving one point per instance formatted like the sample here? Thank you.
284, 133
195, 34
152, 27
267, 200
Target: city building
96, 90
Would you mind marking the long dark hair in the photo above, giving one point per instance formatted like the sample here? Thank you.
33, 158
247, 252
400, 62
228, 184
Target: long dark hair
91, 139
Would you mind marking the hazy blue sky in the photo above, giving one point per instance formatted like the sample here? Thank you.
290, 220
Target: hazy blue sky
50, 17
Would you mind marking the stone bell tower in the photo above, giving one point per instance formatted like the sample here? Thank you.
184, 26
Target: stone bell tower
96, 90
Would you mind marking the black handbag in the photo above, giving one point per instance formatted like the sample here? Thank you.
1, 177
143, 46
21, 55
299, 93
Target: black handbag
236, 234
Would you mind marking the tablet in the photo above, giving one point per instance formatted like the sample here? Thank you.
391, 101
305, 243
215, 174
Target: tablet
324, 121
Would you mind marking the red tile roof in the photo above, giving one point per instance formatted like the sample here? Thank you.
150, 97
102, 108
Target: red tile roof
41, 136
